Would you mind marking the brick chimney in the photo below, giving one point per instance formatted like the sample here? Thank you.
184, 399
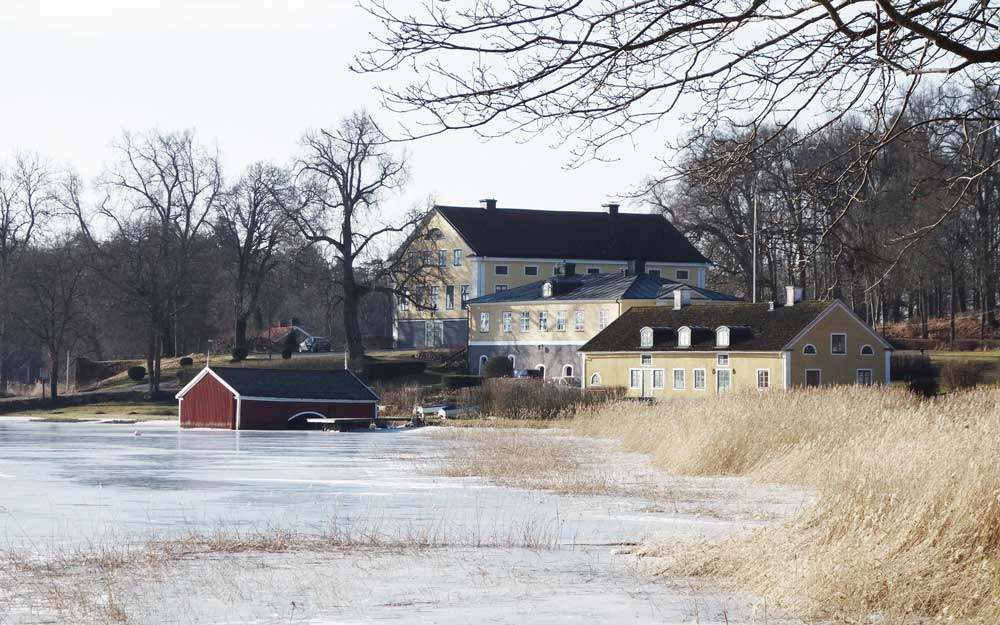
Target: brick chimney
793, 295
612, 208
635, 267
488, 204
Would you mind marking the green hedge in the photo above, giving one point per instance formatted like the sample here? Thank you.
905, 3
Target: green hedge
389, 369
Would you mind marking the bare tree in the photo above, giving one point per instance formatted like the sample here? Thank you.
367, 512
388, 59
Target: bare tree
251, 228
598, 72
26, 198
341, 180
50, 300
158, 199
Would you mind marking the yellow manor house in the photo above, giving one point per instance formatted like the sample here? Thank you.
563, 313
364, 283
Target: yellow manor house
689, 351
461, 253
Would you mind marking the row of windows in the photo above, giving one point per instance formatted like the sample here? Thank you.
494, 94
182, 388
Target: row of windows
429, 298
542, 321
430, 258
838, 346
813, 377
532, 270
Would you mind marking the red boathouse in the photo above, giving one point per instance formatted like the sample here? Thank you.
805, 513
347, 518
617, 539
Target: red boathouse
232, 398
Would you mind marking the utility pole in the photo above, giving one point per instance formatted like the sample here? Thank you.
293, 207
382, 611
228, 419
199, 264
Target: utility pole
66, 390
753, 286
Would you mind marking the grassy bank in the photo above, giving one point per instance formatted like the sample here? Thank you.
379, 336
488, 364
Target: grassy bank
907, 521
137, 410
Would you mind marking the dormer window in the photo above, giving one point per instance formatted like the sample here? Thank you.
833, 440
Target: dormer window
684, 337
722, 336
547, 289
646, 337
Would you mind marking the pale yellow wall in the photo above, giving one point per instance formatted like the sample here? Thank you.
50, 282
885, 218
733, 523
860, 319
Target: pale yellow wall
591, 312
614, 371
838, 369
515, 276
442, 277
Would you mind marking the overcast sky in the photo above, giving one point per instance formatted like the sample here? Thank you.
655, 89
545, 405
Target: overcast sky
249, 76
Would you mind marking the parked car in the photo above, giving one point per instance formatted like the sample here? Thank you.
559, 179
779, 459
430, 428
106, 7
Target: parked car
315, 344
527, 373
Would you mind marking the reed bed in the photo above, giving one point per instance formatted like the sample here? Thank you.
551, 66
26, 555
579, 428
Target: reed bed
906, 525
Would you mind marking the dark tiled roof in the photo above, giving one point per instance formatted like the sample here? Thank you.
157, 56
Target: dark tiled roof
602, 286
520, 233
769, 330
295, 383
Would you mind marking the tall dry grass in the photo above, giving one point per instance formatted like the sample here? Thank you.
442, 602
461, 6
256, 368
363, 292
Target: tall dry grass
907, 520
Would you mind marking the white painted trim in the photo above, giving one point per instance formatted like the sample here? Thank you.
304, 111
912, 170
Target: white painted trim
634, 388
525, 271
861, 352
526, 343
310, 401
786, 359
888, 366
673, 379
680, 352
814, 352
180, 401
197, 378
239, 411
846, 344
704, 377
881, 341
572, 370
729, 360
642, 358
757, 379
871, 374
583, 371
307, 412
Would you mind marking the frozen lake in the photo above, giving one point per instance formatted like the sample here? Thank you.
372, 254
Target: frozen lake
65, 485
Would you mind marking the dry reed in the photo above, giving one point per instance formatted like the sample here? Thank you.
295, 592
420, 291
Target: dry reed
907, 521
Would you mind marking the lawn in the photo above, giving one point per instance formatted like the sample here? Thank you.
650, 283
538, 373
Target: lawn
139, 411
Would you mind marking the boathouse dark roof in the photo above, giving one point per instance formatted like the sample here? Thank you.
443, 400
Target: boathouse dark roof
295, 383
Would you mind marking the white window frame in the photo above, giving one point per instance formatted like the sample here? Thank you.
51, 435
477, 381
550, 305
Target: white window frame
507, 321
513, 361
684, 336
719, 360
871, 377
579, 320
602, 319
442, 258
560, 321
843, 334
541, 368
449, 297
482, 363
543, 321
678, 276
499, 288
673, 378
570, 368
525, 321
464, 296
663, 379
547, 289
435, 295
497, 272
645, 360
527, 267
722, 336
805, 377
807, 346
484, 322
704, 379
595, 379
767, 372
593, 271
861, 352
404, 300
632, 374
645, 337
456, 257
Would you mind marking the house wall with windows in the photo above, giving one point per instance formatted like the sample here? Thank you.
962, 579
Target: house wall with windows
511, 272
441, 321
654, 374
839, 368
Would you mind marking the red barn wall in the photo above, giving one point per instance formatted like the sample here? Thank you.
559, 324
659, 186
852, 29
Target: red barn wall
274, 415
208, 404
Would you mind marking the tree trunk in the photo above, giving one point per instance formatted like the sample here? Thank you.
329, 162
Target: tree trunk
53, 375
241, 330
352, 327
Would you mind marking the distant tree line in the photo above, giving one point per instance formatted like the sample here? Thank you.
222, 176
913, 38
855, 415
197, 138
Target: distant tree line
162, 252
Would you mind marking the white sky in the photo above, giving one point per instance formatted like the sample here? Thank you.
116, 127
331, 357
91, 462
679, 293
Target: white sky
249, 76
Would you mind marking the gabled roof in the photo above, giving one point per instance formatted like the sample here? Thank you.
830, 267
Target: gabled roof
770, 330
521, 233
293, 384
603, 286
